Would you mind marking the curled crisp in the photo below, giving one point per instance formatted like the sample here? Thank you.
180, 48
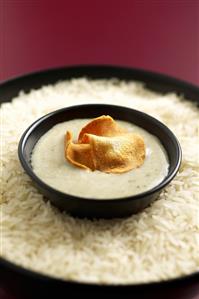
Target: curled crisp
103, 145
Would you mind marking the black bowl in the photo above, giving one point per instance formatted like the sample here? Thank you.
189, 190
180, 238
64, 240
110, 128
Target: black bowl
91, 207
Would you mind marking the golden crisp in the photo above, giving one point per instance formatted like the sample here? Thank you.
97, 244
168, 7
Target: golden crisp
103, 145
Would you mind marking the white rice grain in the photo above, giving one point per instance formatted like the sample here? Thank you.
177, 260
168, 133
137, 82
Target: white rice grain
160, 243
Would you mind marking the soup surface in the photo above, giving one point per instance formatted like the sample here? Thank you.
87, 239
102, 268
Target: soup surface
50, 165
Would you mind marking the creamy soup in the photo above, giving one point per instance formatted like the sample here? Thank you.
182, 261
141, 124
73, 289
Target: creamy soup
50, 165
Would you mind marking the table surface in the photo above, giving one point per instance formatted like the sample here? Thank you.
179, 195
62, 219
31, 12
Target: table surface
158, 35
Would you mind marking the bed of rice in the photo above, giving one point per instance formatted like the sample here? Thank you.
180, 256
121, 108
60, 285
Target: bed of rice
161, 242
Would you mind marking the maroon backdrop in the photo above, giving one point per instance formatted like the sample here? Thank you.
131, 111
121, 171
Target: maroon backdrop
158, 35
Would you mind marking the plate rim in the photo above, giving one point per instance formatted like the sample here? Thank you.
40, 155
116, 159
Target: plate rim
116, 68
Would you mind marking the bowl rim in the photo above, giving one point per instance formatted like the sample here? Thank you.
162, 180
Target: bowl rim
157, 188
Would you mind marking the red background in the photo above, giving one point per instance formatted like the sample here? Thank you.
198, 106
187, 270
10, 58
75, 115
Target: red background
157, 35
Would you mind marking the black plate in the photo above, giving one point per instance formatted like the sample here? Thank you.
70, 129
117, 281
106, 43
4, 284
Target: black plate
29, 284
